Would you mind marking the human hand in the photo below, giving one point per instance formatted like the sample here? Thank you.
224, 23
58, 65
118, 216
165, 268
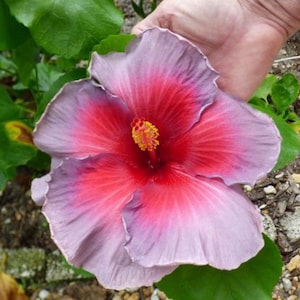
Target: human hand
240, 38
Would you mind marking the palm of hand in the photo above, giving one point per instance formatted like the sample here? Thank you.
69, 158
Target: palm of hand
240, 45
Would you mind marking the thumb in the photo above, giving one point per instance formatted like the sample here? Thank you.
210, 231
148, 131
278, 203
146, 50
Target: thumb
143, 25
152, 20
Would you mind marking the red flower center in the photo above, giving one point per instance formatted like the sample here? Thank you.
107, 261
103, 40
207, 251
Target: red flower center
145, 135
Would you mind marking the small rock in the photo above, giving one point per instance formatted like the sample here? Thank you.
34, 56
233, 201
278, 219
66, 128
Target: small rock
287, 284
269, 227
283, 243
248, 188
134, 296
161, 295
263, 206
270, 189
154, 297
294, 263
292, 297
283, 186
295, 187
147, 291
297, 199
25, 274
296, 177
281, 206
280, 175
132, 290
291, 225
43, 294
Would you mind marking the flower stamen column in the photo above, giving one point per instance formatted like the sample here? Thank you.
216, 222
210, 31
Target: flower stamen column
145, 135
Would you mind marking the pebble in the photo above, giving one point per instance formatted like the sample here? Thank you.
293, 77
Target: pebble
154, 297
134, 296
292, 297
280, 175
147, 291
281, 206
43, 294
158, 295
291, 225
132, 290
25, 274
270, 189
248, 188
269, 227
287, 284
294, 263
263, 206
162, 295
296, 177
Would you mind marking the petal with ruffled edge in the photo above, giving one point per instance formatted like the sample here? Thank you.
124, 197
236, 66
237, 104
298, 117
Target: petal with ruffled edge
39, 186
187, 220
232, 141
84, 120
161, 77
83, 205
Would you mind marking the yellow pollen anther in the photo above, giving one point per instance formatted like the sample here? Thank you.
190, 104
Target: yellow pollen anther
145, 134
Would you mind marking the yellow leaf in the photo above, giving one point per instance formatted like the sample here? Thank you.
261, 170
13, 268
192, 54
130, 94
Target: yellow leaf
9, 288
19, 132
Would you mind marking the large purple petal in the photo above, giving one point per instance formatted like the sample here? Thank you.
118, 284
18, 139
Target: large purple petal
85, 120
186, 220
83, 205
161, 77
231, 141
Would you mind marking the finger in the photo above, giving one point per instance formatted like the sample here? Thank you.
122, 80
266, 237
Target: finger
148, 22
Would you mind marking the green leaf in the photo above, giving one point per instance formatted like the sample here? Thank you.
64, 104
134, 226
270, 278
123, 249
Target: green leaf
292, 117
3, 181
41, 161
138, 8
12, 33
24, 57
153, 5
68, 28
264, 90
281, 98
115, 43
6, 174
79, 271
284, 92
255, 279
290, 82
290, 143
9, 110
7, 67
46, 76
56, 86
263, 104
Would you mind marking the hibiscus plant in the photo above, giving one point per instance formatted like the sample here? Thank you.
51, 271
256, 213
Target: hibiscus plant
144, 155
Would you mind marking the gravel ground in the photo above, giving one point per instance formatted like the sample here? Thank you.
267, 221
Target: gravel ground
277, 196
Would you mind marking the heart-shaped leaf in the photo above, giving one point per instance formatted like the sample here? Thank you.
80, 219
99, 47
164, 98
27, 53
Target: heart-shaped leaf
68, 28
254, 279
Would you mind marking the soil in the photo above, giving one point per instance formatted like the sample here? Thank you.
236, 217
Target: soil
23, 226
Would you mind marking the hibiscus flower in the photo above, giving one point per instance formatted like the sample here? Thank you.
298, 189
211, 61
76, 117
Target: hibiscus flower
148, 157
